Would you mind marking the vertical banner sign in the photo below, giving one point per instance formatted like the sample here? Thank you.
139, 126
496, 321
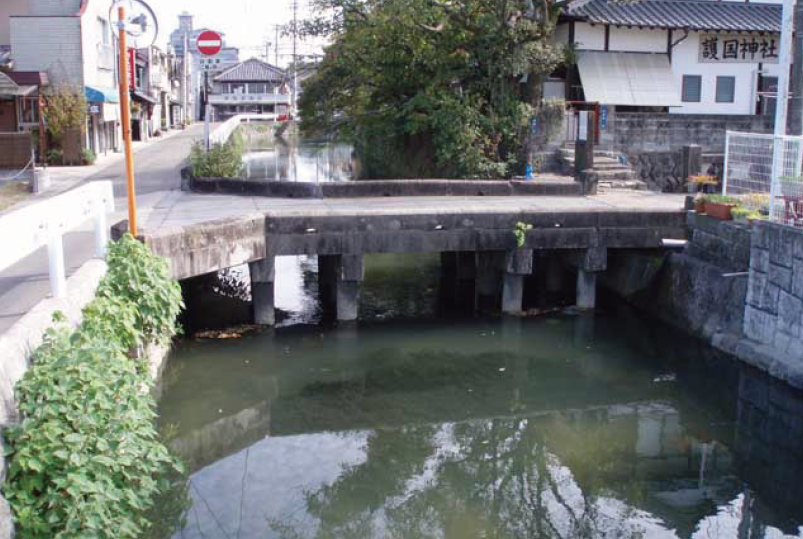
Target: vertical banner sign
603, 118
582, 129
132, 69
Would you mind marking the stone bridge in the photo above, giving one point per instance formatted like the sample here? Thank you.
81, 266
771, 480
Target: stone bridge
201, 234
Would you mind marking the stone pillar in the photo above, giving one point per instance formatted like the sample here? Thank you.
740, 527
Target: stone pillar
262, 276
584, 146
592, 261
691, 162
518, 264
349, 277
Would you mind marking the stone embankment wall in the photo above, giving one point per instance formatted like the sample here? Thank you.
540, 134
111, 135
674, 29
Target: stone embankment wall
639, 132
736, 287
774, 310
663, 170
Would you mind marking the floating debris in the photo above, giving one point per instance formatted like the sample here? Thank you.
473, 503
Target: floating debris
235, 332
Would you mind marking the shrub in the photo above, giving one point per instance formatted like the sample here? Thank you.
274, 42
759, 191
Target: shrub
54, 156
88, 156
220, 161
86, 461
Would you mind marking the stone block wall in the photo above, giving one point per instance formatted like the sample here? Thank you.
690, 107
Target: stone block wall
774, 309
725, 244
663, 170
639, 132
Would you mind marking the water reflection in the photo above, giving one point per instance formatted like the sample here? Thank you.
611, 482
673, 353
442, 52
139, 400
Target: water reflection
414, 426
479, 429
269, 158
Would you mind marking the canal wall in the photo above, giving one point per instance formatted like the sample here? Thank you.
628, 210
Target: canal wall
736, 287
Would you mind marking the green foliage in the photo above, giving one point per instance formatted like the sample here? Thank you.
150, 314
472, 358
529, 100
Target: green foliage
54, 156
87, 156
143, 280
86, 461
221, 161
520, 232
65, 108
721, 199
740, 211
431, 88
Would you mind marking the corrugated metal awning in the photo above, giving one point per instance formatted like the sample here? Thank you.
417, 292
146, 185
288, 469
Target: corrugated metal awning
628, 78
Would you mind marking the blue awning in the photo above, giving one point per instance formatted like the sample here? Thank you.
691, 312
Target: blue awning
96, 94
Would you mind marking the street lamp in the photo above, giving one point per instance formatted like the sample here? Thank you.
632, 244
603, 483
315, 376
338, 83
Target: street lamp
138, 27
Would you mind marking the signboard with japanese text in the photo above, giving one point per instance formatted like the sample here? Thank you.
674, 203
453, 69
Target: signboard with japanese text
739, 48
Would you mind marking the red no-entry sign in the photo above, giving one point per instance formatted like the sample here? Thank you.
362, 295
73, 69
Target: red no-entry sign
209, 43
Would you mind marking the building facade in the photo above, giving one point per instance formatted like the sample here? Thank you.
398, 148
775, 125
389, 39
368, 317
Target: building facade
71, 40
674, 56
250, 87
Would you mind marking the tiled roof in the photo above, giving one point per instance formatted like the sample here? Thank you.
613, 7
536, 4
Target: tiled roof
683, 14
252, 70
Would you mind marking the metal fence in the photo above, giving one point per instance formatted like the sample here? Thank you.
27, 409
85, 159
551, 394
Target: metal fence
766, 173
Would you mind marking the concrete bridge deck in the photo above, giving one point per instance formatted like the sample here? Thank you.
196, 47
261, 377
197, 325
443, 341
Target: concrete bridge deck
201, 234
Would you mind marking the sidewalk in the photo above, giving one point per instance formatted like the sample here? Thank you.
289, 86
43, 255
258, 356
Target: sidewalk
157, 170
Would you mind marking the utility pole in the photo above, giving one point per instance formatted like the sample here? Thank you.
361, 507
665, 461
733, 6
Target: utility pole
795, 120
295, 57
126, 118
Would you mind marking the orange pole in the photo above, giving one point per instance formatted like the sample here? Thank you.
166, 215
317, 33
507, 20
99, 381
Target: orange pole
126, 119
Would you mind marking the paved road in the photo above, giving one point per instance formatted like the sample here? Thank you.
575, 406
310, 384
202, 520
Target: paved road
157, 168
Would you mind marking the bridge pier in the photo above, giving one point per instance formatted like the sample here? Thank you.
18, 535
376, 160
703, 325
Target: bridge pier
518, 264
339, 279
262, 293
590, 262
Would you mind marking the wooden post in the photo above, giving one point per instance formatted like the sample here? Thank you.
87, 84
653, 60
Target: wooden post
126, 119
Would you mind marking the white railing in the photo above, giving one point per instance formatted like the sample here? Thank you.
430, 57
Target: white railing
222, 132
766, 172
42, 224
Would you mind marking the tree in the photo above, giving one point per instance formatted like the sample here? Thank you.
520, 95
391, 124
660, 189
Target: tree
429, 87
65, 109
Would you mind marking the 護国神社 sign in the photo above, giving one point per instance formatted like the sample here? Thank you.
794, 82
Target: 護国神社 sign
735, 48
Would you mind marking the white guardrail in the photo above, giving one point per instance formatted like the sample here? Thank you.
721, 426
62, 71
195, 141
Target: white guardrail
222, 132
25, 230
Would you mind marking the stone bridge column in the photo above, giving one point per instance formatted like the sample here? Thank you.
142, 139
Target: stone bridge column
262, 277
518, 264
591, 262
349, 276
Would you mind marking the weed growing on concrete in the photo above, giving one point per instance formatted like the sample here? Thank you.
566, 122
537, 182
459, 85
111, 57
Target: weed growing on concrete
520, 232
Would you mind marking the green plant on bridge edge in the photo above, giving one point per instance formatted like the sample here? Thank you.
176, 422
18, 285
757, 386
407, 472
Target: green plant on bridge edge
86, 460
520, 232
220, 161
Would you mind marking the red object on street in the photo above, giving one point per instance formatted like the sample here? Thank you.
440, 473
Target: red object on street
209, 43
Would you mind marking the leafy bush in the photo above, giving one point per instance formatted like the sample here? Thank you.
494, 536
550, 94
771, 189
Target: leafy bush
86, 461
54, 156
220, 161
88, 156
721, 199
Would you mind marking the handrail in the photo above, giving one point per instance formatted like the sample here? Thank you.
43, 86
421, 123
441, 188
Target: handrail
222, 133
44, 223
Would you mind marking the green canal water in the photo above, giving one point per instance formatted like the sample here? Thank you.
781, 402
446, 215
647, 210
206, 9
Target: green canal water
412, 424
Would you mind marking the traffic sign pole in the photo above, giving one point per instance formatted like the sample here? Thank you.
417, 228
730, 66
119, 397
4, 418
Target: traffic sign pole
126, 119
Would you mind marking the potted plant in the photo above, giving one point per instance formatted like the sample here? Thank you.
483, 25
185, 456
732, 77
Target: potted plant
702, 183
699, 203
741, 214
719, 206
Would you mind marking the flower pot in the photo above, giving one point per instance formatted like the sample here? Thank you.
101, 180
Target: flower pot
719, 210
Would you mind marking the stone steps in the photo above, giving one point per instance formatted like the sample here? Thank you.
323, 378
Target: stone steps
612, 173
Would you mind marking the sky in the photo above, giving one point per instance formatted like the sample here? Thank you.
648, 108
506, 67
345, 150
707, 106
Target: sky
248, 24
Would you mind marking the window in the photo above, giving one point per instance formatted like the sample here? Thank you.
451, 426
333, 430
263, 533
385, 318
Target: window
103, 29
725, 89
691, 88
30, 110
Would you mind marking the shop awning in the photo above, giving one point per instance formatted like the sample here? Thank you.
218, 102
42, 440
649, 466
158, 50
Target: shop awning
98, 94
628, 78
143, 98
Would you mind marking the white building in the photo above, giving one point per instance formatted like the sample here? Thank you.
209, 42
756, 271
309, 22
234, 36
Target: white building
697, 59
71, 40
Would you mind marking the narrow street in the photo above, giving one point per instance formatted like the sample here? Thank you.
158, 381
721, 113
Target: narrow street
157, 172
